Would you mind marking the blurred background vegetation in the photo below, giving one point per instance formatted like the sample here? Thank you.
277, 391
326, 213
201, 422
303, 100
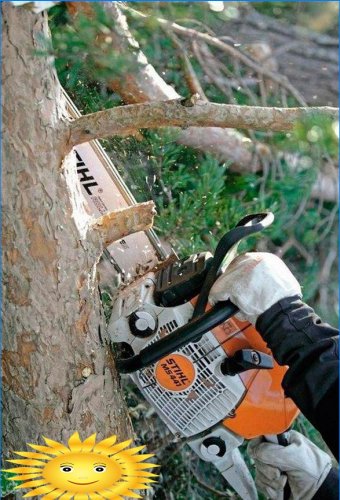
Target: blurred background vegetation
198, 196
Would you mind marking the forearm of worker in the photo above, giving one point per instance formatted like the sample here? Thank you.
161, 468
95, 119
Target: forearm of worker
299, 339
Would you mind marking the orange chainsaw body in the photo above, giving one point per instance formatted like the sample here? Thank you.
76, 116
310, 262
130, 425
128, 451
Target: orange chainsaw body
264, 409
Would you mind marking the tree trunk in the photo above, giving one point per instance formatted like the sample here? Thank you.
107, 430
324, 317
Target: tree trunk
58, 372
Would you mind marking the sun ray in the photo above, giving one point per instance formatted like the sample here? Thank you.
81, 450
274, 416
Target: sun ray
132, 469
24, 470
89, 443
33, 483
75, 443
142, 486
24, 477
66, 496
109, 495
54, 494
146, 465
81, 496
136, 458
132, 451
32, 454
145, 480
116, 448
55, 445
105, 443
40, 491
146, 474
134, 495
126, 489
94, 496
45, 449
27, 462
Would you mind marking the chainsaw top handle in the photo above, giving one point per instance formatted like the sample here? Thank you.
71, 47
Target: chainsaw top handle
201, 321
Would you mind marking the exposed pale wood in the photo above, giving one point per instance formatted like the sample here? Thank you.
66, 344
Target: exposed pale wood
115, 225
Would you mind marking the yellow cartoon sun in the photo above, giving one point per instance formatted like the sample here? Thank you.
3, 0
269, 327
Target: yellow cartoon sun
84, 470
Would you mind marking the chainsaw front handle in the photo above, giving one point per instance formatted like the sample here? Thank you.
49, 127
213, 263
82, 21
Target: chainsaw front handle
190, 332
250, 224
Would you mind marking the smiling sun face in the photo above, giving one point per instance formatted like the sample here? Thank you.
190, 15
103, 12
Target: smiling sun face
83, 471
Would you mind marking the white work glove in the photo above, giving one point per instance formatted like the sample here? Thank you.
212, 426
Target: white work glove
301, 462
254, 282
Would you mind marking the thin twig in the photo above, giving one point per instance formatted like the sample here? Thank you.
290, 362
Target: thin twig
209, 71
189, 72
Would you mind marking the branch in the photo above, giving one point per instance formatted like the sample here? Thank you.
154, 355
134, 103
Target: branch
119, 223
125, 120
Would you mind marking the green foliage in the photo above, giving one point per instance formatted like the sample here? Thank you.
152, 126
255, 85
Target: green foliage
83, 48
316, 136
6, 484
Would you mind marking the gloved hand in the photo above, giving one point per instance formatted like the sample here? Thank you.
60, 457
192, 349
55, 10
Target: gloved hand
254, 282
301, 462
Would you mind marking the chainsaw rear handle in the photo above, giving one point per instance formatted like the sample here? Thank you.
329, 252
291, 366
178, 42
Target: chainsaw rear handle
201, 321
190, 332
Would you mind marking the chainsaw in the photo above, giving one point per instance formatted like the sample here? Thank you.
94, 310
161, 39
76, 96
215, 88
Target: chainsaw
209, 376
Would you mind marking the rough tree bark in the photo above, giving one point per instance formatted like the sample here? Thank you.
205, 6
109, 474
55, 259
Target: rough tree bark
58, 372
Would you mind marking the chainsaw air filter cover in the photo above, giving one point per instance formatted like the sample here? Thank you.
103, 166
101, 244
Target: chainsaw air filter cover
182, 280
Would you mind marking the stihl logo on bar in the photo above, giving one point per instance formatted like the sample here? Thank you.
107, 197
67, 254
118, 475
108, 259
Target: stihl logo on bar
86, 180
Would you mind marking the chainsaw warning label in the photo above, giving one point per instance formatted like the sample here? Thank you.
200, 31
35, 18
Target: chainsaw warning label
175, 372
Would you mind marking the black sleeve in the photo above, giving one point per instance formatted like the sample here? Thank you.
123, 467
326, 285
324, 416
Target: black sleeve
329, 490
299, 339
